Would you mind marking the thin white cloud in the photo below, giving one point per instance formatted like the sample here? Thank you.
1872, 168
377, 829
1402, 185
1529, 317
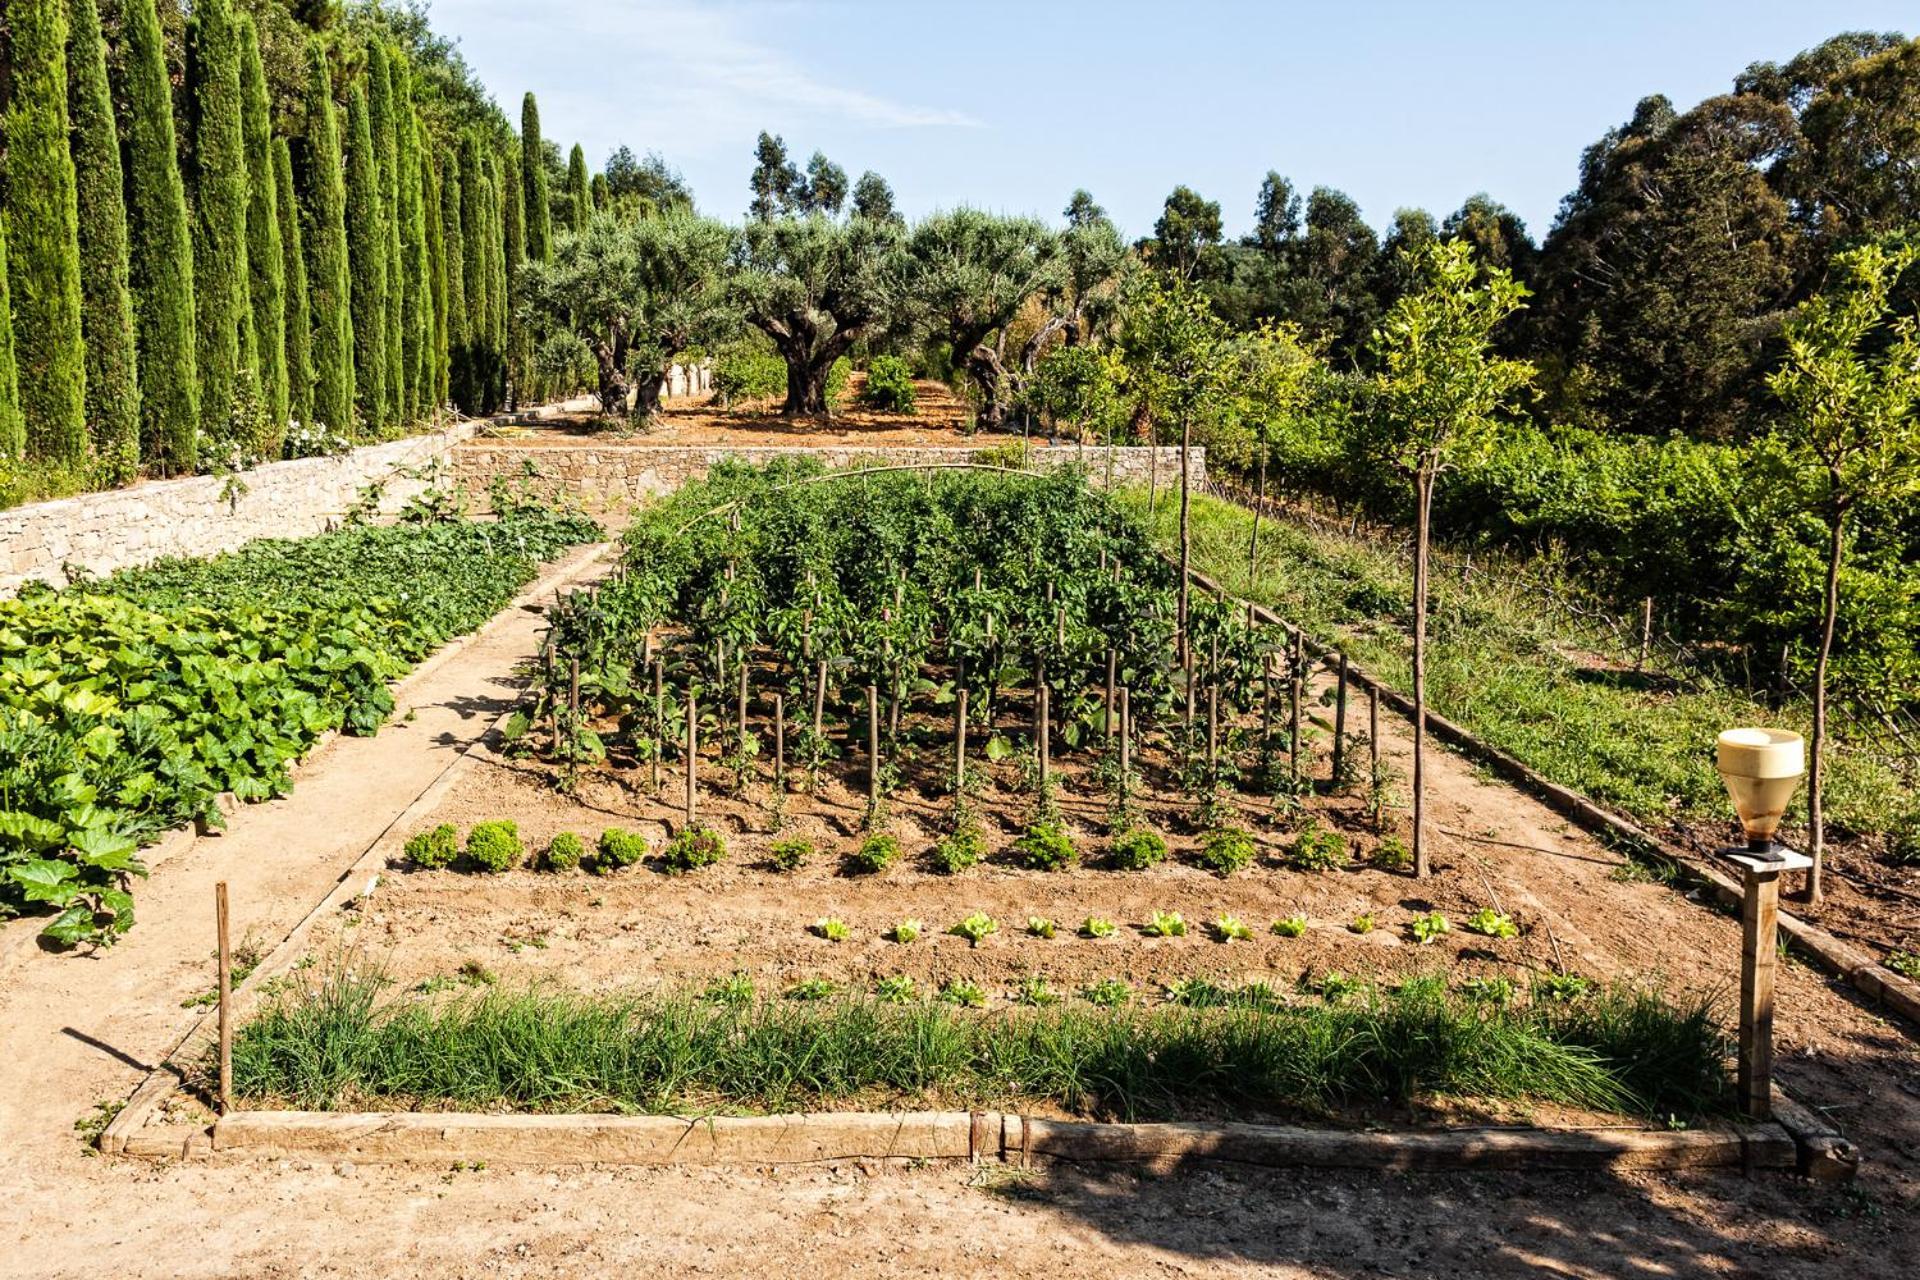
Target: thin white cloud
694, 70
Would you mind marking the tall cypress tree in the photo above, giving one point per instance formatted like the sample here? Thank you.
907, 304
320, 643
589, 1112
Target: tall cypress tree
295, 323
519, 355
579, 202
44, 265
475, 249
223, 318
496, 283
266, 264
367, 252
106, 303
459, 384
436, 225
328, 274
386, 153
13, 427
162, 272
415, 300
533, 182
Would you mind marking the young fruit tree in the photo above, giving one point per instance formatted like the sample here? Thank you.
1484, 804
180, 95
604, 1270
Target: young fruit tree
1276, 380
1850, 384
815, 286
1179, 361
1435, 393
632, 294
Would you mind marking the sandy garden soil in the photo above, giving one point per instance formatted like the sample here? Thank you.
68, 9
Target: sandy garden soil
81, 1030
940, 418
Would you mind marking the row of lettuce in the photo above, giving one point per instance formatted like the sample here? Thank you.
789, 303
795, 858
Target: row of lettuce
129, 704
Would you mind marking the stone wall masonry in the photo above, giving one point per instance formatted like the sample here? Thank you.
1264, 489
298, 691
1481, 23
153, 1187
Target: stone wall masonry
204, 515
615, 475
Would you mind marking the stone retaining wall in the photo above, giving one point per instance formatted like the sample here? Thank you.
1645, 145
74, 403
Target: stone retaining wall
614, 475
203, 515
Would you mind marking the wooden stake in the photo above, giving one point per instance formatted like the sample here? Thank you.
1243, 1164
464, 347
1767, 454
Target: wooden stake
1041, 736
659, 718
1213, 724
226, 996
873, 746
1106, 715
1126, 738
1340, 720
780, 741
1646, 632
1759, 928
1373, 734
693, 756
743, 701
573, 693
960, 742
820, 701
1296, 688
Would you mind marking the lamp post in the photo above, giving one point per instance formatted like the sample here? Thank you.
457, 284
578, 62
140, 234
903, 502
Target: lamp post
1762, 769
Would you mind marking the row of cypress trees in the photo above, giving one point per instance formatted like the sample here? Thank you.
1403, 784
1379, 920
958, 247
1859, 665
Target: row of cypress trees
178, 286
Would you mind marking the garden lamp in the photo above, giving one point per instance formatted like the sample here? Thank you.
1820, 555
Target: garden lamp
1762, 769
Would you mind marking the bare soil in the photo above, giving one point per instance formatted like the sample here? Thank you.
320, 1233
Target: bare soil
83, 1030
939, 418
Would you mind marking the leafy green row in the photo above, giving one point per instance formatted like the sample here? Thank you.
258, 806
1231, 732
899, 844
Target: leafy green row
128, 705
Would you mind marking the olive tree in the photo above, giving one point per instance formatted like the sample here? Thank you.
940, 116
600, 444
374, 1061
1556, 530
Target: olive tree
815, 286
1850, 383
1436, 391
974, 272
630, 294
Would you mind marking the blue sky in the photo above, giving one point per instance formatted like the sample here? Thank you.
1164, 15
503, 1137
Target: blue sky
1011, 104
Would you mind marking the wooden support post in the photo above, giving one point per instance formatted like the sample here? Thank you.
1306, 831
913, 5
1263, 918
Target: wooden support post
1646, 632
1266, 702
573, 693
1759, 953
659, 719
742, 740
960, 742
1186, 667
1297, 686
225, 962
1126, 739
1373, 734
693, 756
1042, 735
1340, 720
1106, 714
820, 701
780, 741
873, 747
1213, 724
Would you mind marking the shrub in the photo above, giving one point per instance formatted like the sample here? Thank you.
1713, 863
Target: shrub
618, 848
875, 854
959, 850
494, 846
1317, 849
698, 846
790, 854
434, 849
1138, 848
890, 385
1044, 847
564, 852
1392, 854
743, 371
1226, 850
836, 388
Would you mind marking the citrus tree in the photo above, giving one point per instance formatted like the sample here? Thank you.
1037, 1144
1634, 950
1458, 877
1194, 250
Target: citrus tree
1436, 392
1850, 384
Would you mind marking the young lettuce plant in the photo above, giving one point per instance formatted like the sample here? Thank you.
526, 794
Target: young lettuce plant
1165, 924
906, 931
976, 928
1231, 929
1290, 926
1489, 923
1095, 927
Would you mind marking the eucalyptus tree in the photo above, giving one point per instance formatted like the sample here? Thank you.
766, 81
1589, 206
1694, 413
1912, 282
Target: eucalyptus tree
1435, 394
1850, 384
973, 272
631, 295
815, 286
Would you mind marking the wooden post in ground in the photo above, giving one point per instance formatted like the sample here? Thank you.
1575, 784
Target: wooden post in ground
1126, 737
1646, 632
1041, 734
1340, 721
1759, 955
960, 742
1106, 714
780, 741
873, 748
659, 719
225, 950
820, 701
1373, 734
742, 741
693, 756
1297, 687
573, 693
1213, 724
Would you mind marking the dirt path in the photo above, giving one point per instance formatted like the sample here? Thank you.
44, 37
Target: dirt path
78, 1031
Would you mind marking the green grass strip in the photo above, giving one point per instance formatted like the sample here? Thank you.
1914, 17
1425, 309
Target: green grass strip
335, 1043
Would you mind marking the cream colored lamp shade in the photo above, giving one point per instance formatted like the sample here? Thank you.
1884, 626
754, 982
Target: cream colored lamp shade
1762, 768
